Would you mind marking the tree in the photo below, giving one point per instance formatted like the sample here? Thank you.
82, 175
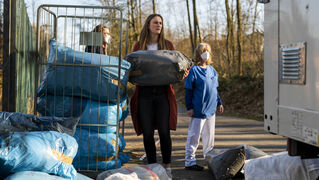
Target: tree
154, 6
190, 27
238, 7
196, 25
228, 37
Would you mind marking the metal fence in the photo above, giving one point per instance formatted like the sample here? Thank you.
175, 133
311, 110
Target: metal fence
18, 58
1, 49
26, 62
64, 33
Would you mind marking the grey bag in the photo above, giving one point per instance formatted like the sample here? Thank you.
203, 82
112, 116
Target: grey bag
20, 122
155, 68
226, 165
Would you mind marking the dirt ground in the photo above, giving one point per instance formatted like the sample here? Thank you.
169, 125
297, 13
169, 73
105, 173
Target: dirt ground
230, 132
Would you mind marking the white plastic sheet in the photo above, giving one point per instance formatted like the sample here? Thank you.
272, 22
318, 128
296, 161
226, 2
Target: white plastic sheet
281, 166
144, 172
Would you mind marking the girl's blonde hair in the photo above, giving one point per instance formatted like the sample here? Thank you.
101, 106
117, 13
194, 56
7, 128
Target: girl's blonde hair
199, 50
145, 33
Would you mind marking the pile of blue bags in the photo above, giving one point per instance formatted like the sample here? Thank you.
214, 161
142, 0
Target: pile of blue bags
87, 86
81, 102
37, 148
50, 152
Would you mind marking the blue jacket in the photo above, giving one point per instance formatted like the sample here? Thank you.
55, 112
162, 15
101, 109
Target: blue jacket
201, 91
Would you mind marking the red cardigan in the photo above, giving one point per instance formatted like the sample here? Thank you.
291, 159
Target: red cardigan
171, 100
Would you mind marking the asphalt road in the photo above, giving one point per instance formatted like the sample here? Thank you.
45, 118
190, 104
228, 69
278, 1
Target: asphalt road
230, 132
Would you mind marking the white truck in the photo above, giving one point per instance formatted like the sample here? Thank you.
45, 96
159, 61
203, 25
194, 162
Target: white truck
291, 73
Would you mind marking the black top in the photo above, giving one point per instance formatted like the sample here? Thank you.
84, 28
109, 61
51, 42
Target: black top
94, 49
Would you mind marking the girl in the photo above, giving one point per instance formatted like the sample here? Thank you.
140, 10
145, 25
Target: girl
201, 99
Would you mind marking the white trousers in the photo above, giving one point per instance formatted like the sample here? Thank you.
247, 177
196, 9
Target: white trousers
197, 127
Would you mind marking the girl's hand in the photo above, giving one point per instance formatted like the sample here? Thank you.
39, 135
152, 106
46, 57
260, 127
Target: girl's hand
190, 113
186, 73
220, 109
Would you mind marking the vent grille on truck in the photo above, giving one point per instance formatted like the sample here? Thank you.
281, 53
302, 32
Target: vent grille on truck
293, 63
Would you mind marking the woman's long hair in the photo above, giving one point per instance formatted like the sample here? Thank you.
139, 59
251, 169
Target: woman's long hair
99, 28
145, 33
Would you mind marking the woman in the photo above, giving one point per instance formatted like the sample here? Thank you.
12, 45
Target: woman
106, 40
154, 107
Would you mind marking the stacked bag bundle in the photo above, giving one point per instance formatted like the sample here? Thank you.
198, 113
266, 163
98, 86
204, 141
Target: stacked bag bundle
41, 145
97, 151
157, 67
85, 86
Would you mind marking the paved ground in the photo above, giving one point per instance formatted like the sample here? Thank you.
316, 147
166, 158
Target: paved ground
230, 132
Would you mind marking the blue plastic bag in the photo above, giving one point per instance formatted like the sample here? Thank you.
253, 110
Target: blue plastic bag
37, 175
95, 144
33, 175
93, 81
101, 163
61, 106
97, 150
89, 112
47, 151
103, 114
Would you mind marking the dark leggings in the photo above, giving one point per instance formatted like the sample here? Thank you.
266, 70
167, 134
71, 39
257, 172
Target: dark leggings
153, 104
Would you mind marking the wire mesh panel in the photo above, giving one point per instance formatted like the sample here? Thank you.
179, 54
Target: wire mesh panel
1, 50
18, 58
81, 74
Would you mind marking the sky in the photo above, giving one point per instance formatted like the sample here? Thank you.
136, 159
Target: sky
174, 12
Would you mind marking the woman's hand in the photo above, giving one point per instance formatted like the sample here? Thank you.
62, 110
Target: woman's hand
190, 113
220, 109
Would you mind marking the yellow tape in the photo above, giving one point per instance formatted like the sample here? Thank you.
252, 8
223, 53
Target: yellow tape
101, 158
116, 82
123, 108
62, 157
113, 142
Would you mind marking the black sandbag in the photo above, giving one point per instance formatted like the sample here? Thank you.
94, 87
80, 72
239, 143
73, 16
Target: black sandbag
227, 164
19, 122
161, 67
252, 152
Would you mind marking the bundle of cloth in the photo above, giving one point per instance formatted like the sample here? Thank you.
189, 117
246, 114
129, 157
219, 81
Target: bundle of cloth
81, 74
98, 151
157, 67
33, 147
50, 152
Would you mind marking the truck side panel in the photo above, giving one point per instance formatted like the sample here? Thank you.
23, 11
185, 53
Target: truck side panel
299, 103
271, 67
